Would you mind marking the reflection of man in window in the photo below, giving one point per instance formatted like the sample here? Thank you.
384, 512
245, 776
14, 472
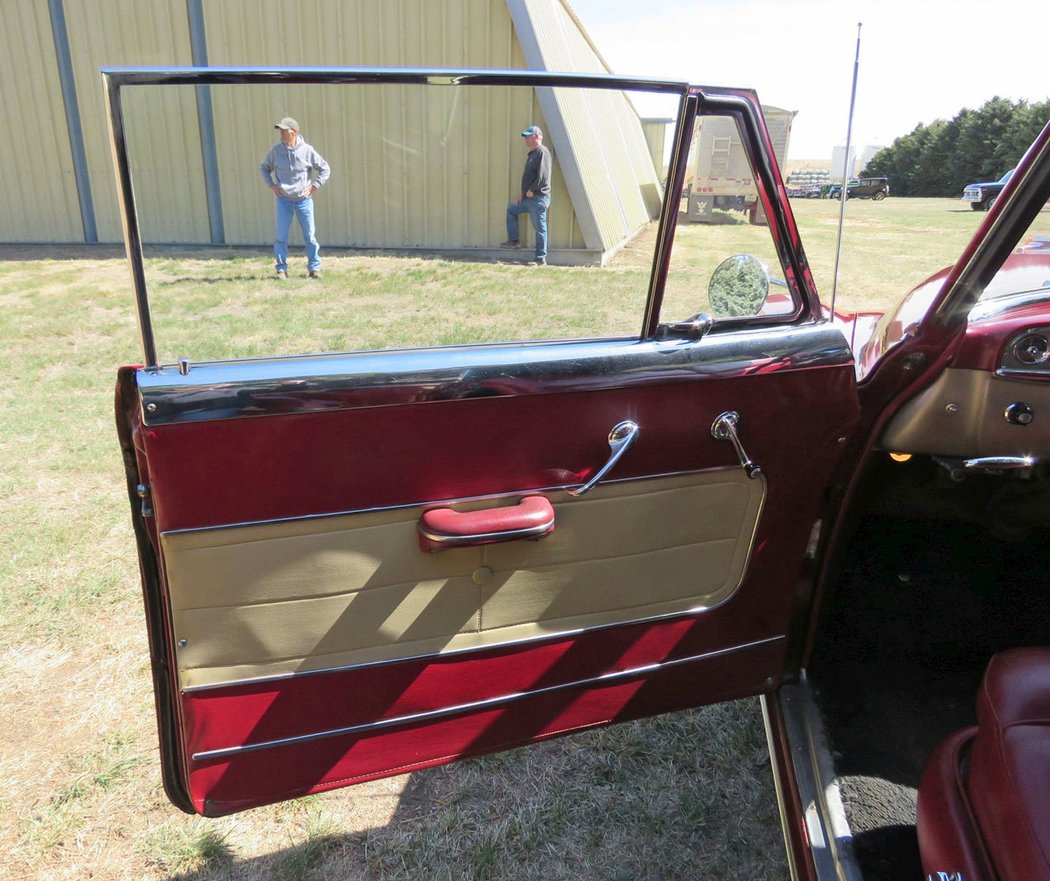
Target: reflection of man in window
287, 170
535, 195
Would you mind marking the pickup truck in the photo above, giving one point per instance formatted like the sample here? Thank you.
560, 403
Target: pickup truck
982, 196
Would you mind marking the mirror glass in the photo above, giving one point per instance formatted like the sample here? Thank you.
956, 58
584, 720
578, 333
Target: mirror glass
739, 287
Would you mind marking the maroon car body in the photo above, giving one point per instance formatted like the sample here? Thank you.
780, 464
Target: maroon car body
304, 637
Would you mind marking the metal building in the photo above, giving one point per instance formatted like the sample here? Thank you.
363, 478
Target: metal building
197, 152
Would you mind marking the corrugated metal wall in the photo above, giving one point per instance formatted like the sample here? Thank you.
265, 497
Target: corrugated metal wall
600, 132
32, 111
169, 180
411, 166
441, 162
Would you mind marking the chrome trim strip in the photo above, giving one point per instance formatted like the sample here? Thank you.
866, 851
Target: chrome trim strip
998, 305
440, 502
192, 76
488, 703
830, 838
299, 384
779, 773
450, 653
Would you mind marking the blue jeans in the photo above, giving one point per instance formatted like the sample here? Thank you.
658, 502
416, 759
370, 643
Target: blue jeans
536, 208
303, 209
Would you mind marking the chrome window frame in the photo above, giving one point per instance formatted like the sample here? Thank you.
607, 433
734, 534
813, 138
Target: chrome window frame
693, 101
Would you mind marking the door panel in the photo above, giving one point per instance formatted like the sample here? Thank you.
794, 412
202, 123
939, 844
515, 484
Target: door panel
304, 633
312, 640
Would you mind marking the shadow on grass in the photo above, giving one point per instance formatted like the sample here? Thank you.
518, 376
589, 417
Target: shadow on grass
221, 279
635, 801
28, 252
23, 252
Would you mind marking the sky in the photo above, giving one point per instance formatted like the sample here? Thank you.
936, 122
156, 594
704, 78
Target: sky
920, 60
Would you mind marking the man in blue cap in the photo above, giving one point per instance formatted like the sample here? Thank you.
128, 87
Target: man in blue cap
535, 195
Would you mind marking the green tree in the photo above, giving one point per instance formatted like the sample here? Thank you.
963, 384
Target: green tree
980, 134
941, 158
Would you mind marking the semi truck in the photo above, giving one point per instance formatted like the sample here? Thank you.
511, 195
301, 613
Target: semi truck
720, 176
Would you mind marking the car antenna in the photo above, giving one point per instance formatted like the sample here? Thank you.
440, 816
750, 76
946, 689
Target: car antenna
844, 191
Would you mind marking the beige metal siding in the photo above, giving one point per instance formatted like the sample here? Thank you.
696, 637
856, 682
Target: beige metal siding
411, 167
41, 168
615, 190
655, 131
167, 170
440, 178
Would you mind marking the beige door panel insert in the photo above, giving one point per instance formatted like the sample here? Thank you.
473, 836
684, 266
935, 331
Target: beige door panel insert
283, 597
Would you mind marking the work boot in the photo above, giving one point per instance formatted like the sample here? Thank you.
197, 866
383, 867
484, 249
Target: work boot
282, 275
510, 243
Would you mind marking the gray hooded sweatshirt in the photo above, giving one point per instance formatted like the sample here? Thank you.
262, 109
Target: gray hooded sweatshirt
289, 168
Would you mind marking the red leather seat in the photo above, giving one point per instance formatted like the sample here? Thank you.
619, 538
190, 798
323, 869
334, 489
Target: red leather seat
984, 799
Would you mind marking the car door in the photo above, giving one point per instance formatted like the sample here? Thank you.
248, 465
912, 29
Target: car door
358, 564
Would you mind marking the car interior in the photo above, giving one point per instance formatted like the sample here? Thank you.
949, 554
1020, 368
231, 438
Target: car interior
941, 588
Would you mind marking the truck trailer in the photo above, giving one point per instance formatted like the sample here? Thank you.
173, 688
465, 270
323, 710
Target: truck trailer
719, 172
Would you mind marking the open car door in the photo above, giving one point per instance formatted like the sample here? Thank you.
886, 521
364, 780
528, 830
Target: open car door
361, 564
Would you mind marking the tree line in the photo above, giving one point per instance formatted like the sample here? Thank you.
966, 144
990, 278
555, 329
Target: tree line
941, 158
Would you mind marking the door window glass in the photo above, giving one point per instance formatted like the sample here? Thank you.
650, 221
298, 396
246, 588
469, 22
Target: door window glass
724, 262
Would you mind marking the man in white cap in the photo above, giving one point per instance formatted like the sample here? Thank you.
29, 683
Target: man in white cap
535, 195
294, 171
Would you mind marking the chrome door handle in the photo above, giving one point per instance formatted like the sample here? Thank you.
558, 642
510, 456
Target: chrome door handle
620, 439
724, 428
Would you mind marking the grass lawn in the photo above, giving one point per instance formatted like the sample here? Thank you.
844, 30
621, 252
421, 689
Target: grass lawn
683, 796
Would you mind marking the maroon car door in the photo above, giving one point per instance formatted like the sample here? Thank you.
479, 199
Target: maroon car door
358, 564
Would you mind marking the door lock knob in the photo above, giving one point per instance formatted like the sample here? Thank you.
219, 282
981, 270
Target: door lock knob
1019, 414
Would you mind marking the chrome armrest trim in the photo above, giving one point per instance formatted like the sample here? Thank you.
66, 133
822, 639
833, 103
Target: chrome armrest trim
295, 385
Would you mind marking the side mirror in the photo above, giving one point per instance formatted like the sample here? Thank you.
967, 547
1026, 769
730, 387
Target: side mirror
739, 287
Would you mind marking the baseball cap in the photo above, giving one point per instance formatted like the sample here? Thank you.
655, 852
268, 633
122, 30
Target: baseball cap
532, 130
288, 123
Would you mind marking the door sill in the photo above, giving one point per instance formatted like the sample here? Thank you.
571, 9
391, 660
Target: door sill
817, 836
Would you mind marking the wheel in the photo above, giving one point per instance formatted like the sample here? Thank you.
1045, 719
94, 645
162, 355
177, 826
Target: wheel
879, 196
990, 201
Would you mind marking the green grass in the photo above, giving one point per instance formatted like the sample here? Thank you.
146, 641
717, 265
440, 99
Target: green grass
182, 848
687, 795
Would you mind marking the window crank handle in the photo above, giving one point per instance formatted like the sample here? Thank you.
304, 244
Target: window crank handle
724, 428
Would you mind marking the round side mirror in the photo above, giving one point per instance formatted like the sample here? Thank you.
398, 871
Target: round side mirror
739, 287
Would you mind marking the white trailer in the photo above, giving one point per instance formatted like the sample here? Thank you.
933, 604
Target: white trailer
720, 176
